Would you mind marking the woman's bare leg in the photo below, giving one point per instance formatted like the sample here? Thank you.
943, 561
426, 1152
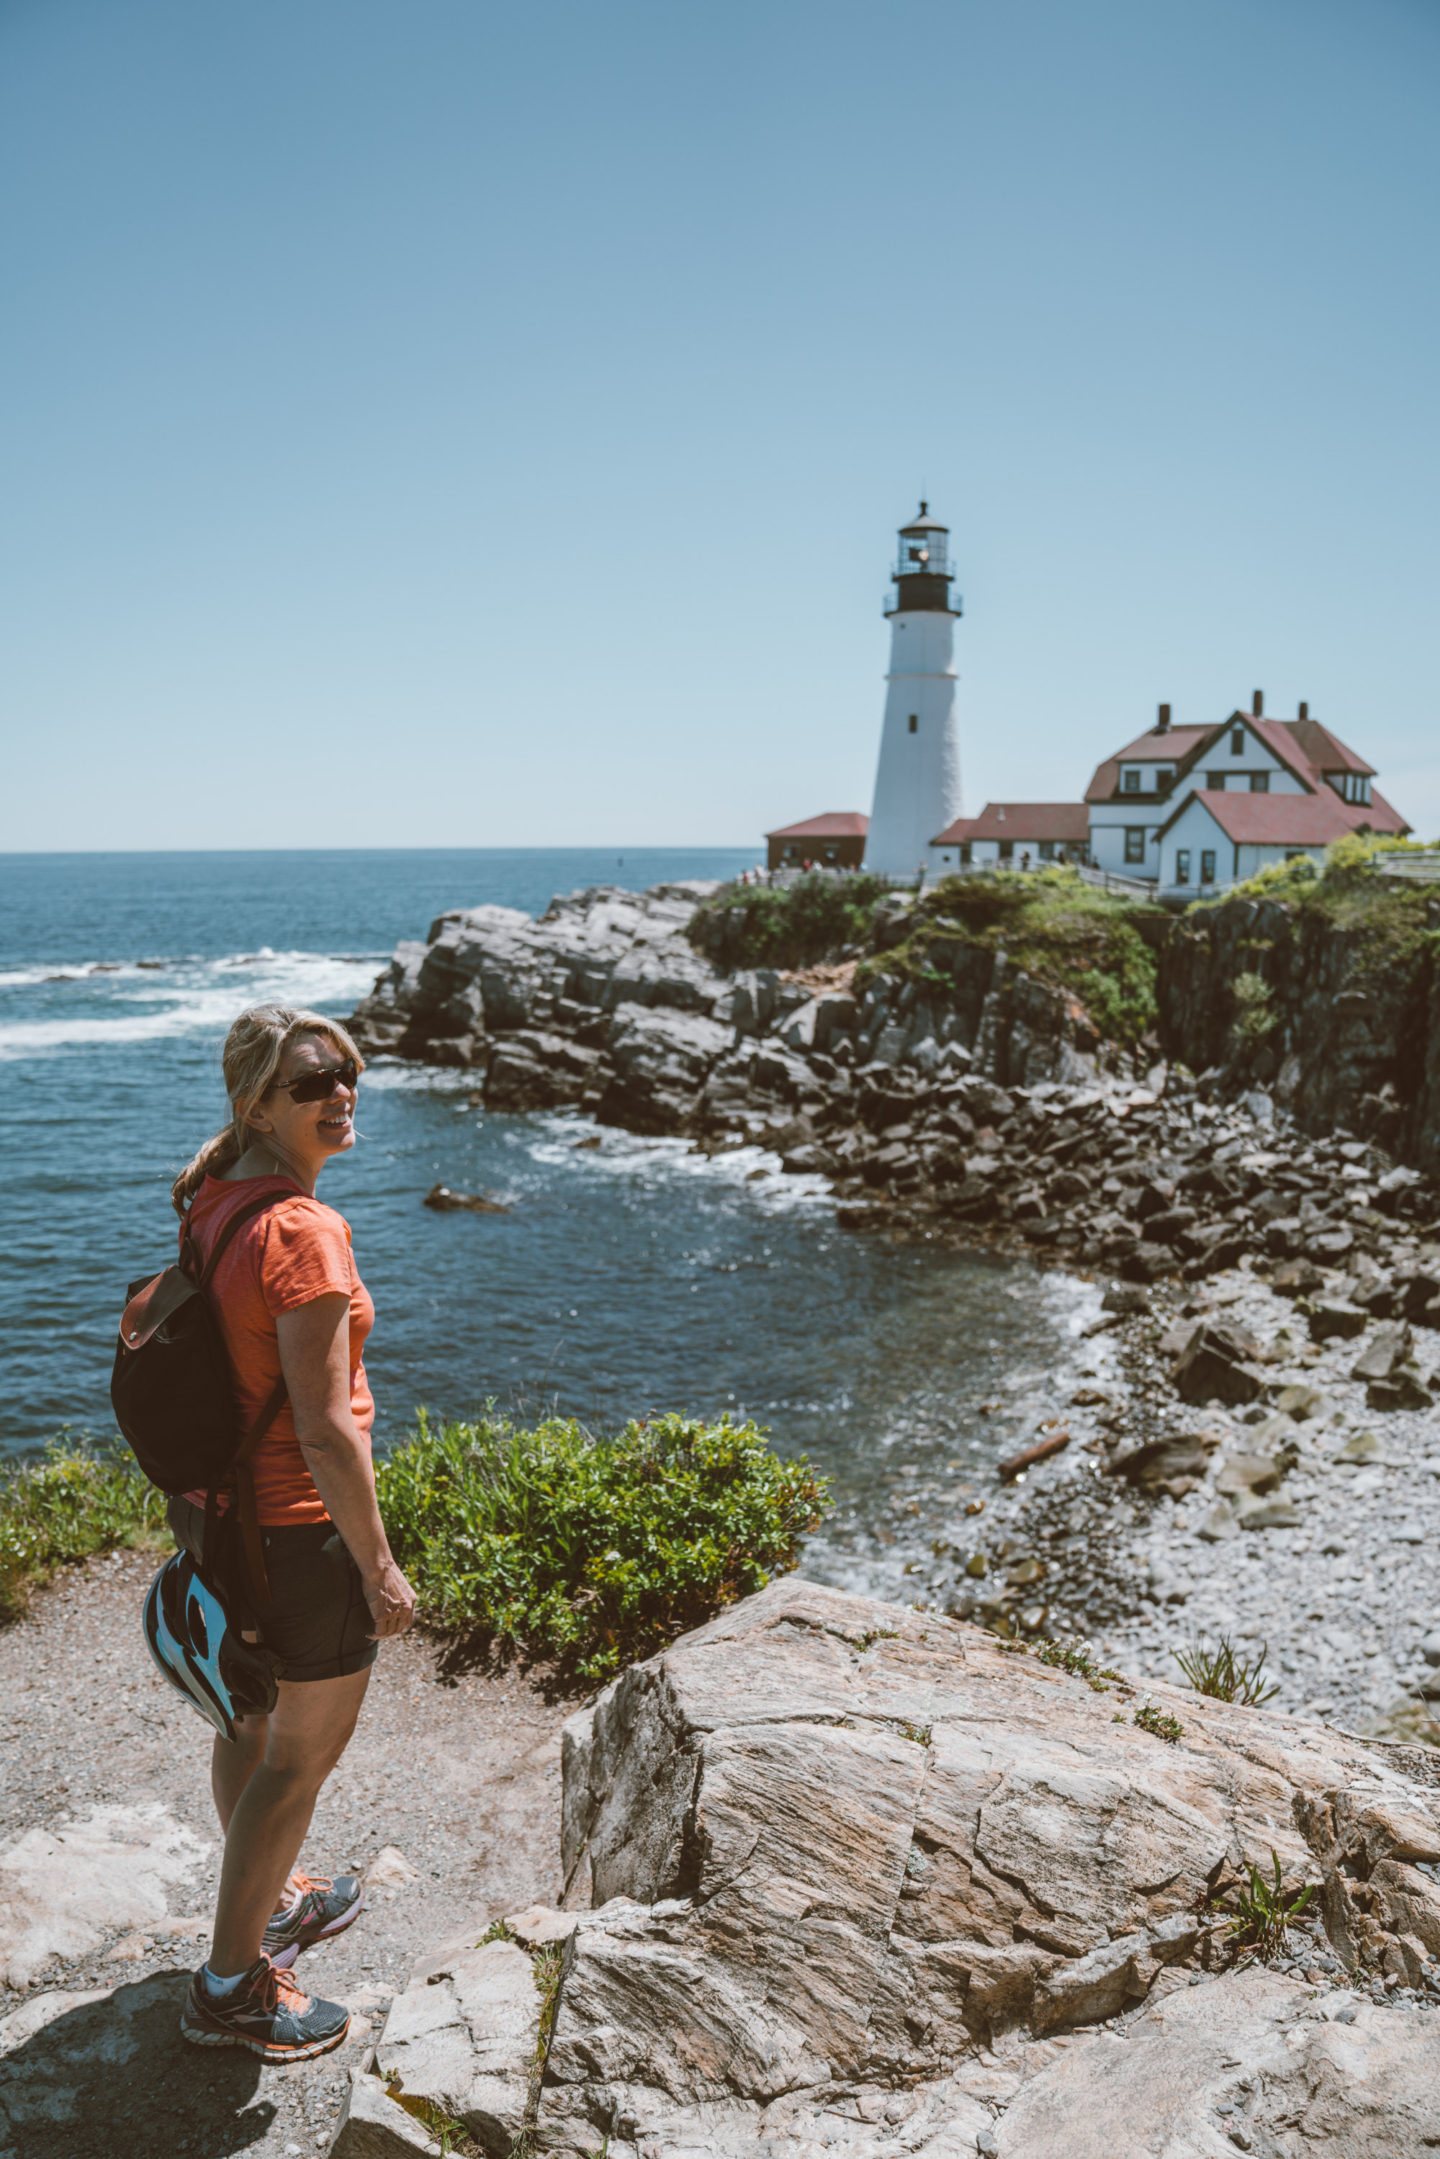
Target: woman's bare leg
234, 1761
307, 1732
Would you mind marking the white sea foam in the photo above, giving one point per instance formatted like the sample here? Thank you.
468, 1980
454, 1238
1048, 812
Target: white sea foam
193, 997
626, 1155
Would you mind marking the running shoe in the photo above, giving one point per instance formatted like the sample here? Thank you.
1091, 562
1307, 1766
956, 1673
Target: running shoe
323, 1907
266, 2013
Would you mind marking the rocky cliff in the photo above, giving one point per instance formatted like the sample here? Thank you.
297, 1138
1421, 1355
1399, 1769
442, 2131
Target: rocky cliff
966, 1090
605, 1002
862, 1880
1334, 1009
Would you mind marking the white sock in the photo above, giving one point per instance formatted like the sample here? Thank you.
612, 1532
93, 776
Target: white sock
217, 1986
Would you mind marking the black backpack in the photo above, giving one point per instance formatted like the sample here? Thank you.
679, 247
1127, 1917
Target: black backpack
174, 1393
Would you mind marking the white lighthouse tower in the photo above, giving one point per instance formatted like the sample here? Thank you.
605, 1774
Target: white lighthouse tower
917, 784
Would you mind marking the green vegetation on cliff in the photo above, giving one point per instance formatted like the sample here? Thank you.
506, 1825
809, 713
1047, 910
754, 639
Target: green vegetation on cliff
1071, 935
1074, 936
819, 917
1347, 892
591, 1550
583, 1549
77, 1501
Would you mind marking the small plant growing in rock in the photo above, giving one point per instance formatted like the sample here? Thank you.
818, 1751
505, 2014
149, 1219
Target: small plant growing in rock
1151, 1719
920, 1733
874, 1635
1263, 1909
1223, 1676
1078, 1662
498, 1930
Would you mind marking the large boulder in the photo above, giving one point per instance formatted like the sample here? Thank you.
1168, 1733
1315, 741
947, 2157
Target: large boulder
864, 1880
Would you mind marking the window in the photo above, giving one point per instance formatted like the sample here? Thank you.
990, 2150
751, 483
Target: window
1007, 850
1130, 782
1216, 780
1351, 786
1165, 779
965, 854
1134, 843
1047, 850
1259, 783
1207, 865
914, 722
1237, 742
1182, 865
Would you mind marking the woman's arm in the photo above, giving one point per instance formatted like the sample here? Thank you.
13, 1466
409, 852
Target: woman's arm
315, 1358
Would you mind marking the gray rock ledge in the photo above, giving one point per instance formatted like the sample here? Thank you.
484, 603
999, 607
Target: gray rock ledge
864, 1881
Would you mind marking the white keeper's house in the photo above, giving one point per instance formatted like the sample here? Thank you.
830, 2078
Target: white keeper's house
1192, 809
1186, 810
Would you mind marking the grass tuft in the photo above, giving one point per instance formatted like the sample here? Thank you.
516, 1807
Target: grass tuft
1262, 1910
588, 1550
1223, 1676
78, 1500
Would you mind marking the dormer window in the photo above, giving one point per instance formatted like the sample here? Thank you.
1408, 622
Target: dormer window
1351, 786
1130, 781
1164, 779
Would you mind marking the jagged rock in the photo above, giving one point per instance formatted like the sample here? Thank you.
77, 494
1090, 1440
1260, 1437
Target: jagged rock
442, 1200
834, 1844
1175, 1464
1406, 1388
845, 1856
1297, 1278
463, 2042
1213, 1367
1392, 1347
1334, 1317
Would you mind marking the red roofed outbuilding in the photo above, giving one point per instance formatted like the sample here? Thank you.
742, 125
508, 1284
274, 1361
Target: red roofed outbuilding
836, 841
1022, 833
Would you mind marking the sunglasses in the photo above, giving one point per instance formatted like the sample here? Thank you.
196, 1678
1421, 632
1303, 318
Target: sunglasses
319, 1086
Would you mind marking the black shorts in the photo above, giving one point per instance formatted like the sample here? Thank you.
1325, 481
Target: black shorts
317, 1621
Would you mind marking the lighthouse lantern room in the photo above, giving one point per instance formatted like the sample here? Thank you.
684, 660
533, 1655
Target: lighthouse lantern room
917, 782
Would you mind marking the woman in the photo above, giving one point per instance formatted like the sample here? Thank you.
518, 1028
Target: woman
289, 1301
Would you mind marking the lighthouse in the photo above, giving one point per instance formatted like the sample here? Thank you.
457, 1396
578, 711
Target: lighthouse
917, 783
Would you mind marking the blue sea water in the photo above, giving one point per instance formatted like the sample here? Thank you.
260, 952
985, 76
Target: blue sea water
629, 1278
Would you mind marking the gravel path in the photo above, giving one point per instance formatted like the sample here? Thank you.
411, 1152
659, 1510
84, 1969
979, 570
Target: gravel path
461, 1778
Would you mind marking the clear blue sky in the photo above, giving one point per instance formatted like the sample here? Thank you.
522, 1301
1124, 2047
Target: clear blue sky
439, 421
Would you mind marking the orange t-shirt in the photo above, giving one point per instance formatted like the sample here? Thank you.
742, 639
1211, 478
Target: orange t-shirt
277, 1261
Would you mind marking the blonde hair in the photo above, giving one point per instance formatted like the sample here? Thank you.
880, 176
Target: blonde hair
254, 1049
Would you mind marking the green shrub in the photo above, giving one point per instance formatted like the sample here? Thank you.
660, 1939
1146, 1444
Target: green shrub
588, 1550
802, 924
79, 1500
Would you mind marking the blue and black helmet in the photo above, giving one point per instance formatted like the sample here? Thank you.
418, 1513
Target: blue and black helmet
202, 1655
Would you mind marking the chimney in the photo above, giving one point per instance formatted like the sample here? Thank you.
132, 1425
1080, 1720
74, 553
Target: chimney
1257, 704
1162, 725
1304, 710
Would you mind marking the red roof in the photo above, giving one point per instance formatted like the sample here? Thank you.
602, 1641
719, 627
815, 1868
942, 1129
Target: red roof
1303, 747
1290, 820
834, 825
1168, 749
1023, 821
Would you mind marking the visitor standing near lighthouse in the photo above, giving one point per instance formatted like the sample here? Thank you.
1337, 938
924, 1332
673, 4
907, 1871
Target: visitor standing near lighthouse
917, 783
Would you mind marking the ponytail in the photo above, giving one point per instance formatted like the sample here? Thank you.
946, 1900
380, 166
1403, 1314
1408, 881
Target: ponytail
254, 1050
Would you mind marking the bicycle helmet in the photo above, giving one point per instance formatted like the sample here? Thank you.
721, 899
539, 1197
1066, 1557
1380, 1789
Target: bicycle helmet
189, 1635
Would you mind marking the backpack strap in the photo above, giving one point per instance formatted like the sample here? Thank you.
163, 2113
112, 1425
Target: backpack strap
240, 1461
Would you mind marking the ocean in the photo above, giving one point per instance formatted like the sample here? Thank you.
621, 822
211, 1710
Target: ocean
628, 1279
